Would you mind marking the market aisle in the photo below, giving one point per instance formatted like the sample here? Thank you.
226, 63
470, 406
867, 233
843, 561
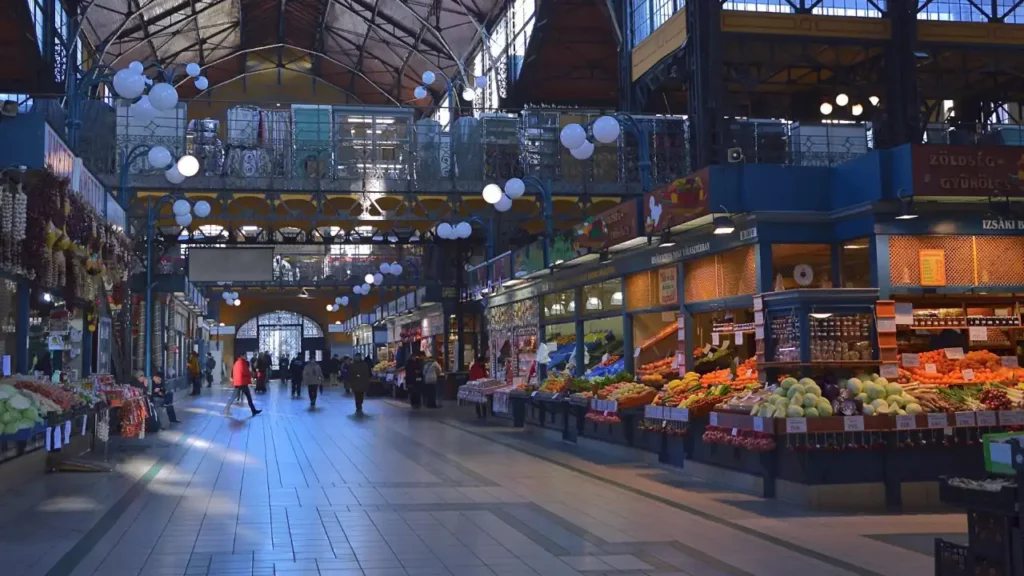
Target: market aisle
401, 493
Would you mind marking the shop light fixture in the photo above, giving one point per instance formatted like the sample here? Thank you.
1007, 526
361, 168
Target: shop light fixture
825, 108
906, 205
617, 299
821, 315
855, 246
47, 297
842, 99
874, 100
559, 261
723, 225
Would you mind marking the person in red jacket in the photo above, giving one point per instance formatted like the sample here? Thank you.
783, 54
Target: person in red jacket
241, 376
478, 371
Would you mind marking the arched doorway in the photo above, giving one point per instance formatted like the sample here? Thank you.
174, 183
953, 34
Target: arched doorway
281, 333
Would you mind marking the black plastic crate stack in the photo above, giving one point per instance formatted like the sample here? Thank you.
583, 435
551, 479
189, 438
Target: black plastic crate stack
994, 540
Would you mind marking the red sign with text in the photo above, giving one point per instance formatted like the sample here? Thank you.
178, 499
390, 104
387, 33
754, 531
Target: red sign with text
967, 170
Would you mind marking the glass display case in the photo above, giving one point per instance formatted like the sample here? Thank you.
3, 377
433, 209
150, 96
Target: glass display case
829, 327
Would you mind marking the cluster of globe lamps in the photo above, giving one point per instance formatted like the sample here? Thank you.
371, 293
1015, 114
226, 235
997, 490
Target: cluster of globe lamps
231, 298
373, 279
468, 94
130, 84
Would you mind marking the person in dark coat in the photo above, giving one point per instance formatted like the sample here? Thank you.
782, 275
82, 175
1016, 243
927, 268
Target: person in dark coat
359, 382
414, 378
296, 373
161, 391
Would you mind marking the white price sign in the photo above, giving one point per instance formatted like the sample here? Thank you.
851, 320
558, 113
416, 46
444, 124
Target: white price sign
986, 418
758, 424
739, 337
886, 325
890, 371
954, 353
930, 368
966, 419
636, 352
716, 338
937, 421
906, 422
911, 360
1009, 362
977, 333
681, 414
968, 375
714, 418
853, 423
759, 332
758, 318
796, 425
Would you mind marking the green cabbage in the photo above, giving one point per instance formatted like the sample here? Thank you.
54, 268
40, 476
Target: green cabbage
19, 402
24, 424
11, 428
10, 416
29, 414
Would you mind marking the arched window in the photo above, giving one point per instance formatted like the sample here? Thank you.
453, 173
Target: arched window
280, 333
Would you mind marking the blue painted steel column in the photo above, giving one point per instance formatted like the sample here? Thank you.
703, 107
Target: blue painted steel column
881, 273
580, 335
148, 320
21, 359
837, 265
763, 267
627, 333
687, 322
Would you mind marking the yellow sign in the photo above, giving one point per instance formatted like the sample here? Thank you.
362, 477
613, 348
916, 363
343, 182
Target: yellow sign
663, 41
970, 32
805, 25
933, 267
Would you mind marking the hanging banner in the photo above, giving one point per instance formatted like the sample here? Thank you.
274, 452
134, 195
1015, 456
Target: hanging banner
677, 203
668, 286
938, 170
528, 259
932, 267
606, 229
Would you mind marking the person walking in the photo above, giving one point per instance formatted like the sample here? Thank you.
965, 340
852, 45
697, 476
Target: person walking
211, 365
313, 378
358, 380
241, 377
295, 371
413, 378
194, 373
346, 366
431, 380
334, 370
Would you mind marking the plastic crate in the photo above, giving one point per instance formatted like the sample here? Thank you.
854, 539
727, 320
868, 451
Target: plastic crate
1002, 502
989, 537
950, 558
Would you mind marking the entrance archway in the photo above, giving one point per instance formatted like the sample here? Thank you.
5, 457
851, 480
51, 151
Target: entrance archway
281, 333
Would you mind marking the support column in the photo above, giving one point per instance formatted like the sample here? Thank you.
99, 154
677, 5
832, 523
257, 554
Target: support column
580, 335
629, 364
901, 122
87, 347
21, 359
706, 87
625, 18
763, 268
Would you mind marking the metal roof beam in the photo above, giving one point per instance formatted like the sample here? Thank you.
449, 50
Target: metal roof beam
366, 38
351, 6
199, 36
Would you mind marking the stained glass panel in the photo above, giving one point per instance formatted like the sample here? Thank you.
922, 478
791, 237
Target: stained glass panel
248, 330
311, 329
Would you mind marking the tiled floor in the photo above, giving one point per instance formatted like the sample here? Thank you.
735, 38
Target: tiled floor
398, 493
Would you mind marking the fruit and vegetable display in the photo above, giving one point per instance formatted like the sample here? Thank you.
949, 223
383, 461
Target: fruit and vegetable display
867, 395
936, 368
565, 340
627, 394
656, 373
676, 390
20, 411
606, 368
596, 338
383, 366
708, 358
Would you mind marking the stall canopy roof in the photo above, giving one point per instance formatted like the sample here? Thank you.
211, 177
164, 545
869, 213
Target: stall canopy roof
375, 49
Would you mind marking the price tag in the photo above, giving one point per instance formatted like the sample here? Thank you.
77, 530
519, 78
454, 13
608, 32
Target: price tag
675, 361
937, 421
67, 431
681, 335
759, 332
796, 425
853, 423
911, 360
534, 393
1009, 362
85, 421
886, 325
636, 352
906, 422
716, 338
759, 318
733, 431
986, 418
965, 419
968, 375
954, 353
56, 438
681, 322
758, 303
1011, 417
649, 411
890, 371
977, 333
758, 424
739, 337
714, 418
683, 414
750, 372
930, 368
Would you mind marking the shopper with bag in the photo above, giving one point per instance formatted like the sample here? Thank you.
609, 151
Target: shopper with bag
414, 378
241, 377
194, 374
211, 365
431, 379
313, 378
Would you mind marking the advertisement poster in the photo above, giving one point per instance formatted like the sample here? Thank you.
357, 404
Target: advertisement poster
668, 286
677, 202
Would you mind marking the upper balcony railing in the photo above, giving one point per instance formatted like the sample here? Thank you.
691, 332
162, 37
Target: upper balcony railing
356, 149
